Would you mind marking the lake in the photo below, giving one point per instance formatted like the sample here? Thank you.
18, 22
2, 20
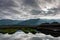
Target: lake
19, 35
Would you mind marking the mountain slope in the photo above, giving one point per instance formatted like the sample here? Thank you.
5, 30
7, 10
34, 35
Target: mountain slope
38, 21
8, 22
29, 22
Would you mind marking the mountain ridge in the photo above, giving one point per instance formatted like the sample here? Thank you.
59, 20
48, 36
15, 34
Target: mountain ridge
27, 22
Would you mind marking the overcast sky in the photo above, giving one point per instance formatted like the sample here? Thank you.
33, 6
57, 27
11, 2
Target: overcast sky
29, 36
29, 9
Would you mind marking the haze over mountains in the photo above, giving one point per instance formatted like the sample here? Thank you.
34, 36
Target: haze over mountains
8, 22
27, 22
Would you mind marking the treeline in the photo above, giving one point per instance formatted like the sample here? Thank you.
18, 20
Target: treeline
51, 23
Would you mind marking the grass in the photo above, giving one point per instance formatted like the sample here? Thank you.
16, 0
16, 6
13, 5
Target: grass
13, 30
27, 30
10, 31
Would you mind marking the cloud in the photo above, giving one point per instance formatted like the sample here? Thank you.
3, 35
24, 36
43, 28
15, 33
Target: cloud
28, 9
32, 3
6, 4
35, 38
22, 36
35, 12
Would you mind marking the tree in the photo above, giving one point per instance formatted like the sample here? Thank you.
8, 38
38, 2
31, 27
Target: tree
54, 23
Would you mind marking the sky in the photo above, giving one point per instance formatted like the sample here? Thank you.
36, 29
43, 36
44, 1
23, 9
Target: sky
22, 36
29, 9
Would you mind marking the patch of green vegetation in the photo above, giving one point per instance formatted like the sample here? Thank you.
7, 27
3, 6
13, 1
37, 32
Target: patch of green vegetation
27, 30
10, 31
34, 31
13, 30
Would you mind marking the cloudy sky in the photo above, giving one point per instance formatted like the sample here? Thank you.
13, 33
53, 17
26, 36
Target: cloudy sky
29, 9
29, 36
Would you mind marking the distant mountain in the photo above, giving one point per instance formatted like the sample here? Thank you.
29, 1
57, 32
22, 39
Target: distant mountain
9, 22
37, 21
29, 22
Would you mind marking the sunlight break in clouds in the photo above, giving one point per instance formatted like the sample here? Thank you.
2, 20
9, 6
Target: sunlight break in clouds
29, 9
22, 36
